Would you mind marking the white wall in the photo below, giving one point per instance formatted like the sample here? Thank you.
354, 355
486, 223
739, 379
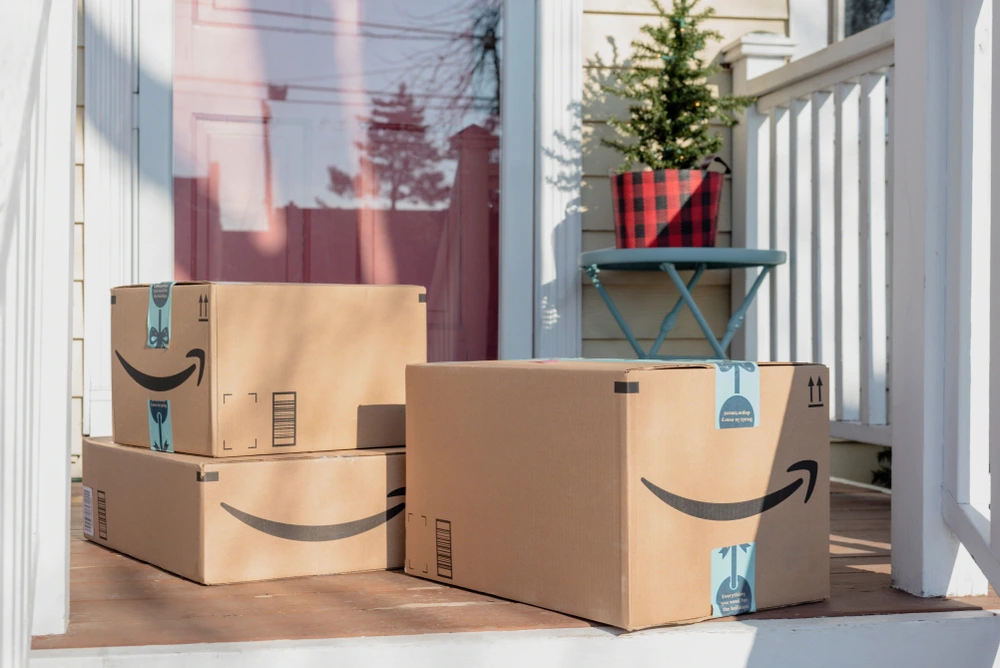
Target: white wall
37, 81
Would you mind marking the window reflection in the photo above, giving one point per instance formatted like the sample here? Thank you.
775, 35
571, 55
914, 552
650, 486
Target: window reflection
346, 141
863, 14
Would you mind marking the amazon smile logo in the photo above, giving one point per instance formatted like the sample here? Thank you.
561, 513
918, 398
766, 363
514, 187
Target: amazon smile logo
318, 532
740, 509
166, 383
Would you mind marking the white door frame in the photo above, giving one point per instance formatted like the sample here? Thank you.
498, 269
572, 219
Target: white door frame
128, 182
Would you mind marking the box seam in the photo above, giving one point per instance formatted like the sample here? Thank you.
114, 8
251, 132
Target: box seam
625, 433
213, 376
202, 535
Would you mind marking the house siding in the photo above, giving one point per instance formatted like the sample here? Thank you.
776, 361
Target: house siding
78, 241
645, 298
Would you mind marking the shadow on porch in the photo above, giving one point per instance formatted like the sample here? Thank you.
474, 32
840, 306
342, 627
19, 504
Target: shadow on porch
118, 601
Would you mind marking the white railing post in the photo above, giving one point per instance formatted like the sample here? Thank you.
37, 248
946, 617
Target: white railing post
927, 558
824, 240
994, 301
803, 343
751, 56
873, 255
847, 248
781, 280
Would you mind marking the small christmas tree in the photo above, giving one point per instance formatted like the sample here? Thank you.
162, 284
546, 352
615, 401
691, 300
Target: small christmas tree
672, 104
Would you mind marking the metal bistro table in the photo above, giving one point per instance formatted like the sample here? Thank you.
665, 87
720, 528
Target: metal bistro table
672, 261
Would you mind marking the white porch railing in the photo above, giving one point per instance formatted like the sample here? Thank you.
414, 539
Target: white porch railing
811, 177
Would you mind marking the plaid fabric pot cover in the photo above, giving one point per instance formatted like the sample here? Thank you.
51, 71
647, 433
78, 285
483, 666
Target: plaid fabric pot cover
667, 207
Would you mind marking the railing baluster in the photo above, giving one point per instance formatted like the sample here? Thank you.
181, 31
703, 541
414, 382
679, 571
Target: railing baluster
872, 223
994, 301
846, 207
752, 229
801, 231
781, 296
889, 181
824, 238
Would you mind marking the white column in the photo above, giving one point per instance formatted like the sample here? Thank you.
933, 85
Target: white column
559, 91
927, 559
54, 195
752, 56
37, 113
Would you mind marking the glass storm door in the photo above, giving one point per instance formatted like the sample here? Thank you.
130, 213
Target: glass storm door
343, 141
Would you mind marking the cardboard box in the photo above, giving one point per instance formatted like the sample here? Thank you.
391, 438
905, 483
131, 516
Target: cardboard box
634, 494
218, 521
255, 369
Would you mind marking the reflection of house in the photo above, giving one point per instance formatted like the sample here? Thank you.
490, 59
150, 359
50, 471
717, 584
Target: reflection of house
453, 252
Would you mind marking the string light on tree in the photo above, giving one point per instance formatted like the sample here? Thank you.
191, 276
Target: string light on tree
672, 107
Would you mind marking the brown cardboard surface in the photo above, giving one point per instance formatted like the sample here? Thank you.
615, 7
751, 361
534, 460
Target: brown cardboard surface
245, 362
218, 521
526, 481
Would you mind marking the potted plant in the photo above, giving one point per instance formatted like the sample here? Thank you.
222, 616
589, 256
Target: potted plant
673, 200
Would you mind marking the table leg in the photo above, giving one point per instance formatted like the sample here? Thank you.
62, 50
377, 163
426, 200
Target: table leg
689, 300
671, 318
593, 271
736, 321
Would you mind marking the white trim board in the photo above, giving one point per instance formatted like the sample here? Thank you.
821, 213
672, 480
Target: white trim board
558, 237
517, 181
927, 640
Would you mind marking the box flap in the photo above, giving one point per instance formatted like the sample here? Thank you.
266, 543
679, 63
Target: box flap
611, 364
146, 285
346, 285
202, 462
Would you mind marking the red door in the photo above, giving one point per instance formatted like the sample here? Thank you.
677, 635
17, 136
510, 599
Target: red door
343, 141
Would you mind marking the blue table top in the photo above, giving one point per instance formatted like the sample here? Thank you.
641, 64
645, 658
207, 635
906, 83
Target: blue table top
650, 259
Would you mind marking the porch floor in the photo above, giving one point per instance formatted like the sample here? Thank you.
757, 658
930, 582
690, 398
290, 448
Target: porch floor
118, 601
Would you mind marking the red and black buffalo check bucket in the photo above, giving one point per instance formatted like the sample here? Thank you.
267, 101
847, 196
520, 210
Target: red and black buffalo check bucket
667, 207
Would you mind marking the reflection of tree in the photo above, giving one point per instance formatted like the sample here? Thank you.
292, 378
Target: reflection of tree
486, 54
467, 67
403, 162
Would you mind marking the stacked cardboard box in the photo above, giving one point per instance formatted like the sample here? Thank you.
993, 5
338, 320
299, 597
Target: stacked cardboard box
258, 429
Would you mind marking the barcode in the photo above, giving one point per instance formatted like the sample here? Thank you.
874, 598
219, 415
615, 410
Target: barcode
442, 539
88, 511
283, 419
102, 515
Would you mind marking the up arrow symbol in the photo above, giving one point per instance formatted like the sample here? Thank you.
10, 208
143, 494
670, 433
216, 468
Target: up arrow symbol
812, 387
819, 388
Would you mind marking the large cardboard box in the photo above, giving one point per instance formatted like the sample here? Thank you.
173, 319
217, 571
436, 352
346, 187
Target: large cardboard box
217, 521
630, 493
227, 370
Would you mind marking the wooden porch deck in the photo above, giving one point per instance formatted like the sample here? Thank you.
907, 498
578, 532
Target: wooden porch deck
118, 601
